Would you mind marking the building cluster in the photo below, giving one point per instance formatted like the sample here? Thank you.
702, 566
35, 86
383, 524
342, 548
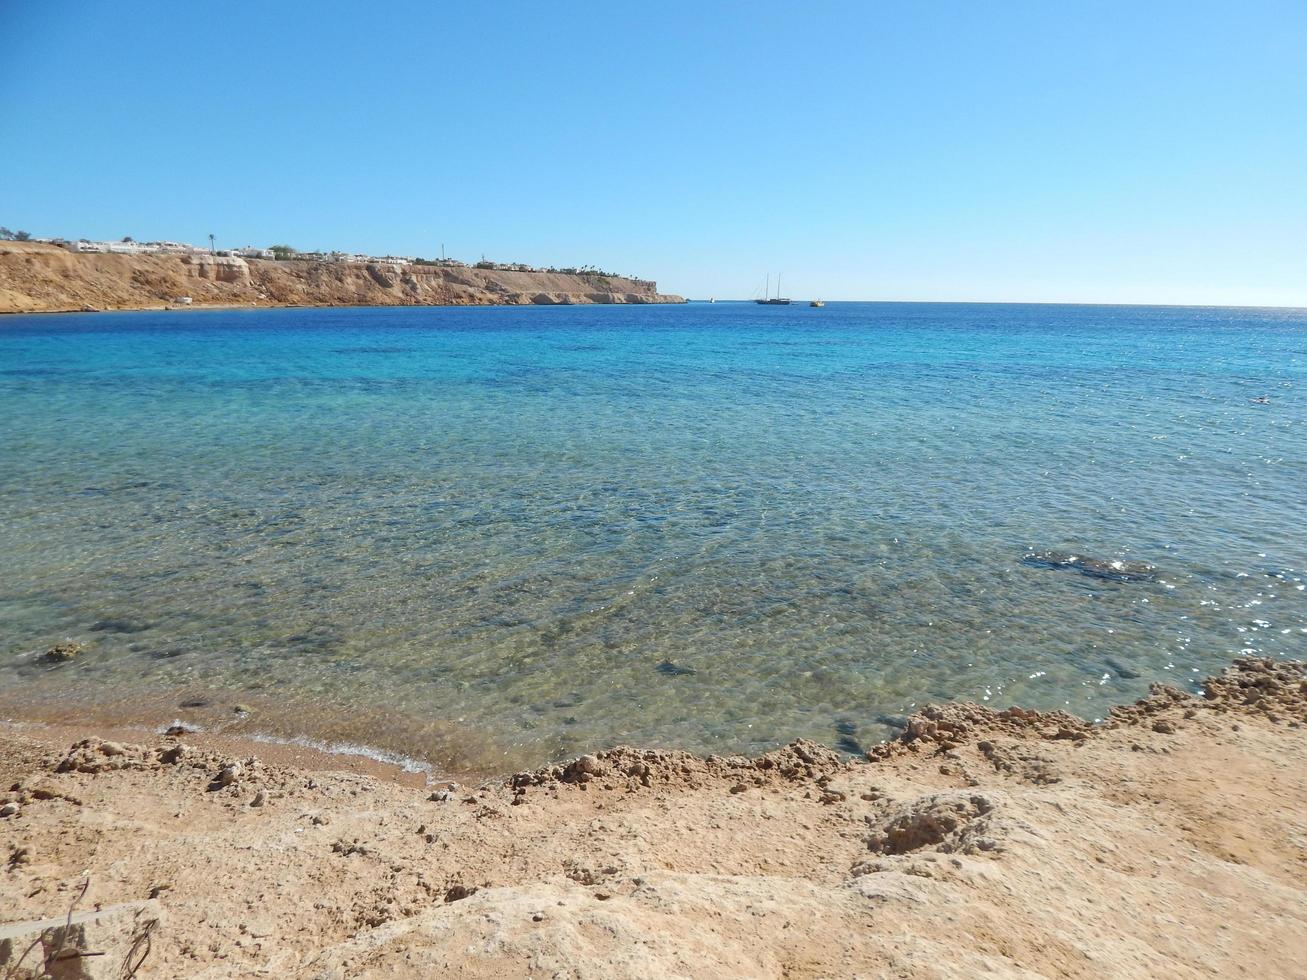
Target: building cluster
280, 253
358, 258
128, 247
585, 270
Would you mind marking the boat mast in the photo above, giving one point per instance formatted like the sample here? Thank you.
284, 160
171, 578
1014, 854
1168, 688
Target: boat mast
778, 285
767, 291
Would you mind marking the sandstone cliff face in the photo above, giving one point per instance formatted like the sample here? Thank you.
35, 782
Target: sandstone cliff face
218, 268
43, 278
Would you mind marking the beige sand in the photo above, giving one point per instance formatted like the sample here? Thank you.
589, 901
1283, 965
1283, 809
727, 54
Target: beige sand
1171, 842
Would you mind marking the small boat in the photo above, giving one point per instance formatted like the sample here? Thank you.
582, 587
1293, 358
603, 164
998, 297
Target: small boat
768, 299
817, 303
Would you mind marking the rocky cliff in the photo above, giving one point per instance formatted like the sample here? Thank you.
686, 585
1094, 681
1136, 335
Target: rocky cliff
37, 278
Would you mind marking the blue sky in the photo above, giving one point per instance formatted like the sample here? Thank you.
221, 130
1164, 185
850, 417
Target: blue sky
1044, 151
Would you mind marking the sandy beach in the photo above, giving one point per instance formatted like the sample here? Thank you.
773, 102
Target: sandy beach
1169, 841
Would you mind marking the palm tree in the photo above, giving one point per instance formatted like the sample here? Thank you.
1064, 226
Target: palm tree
212, 250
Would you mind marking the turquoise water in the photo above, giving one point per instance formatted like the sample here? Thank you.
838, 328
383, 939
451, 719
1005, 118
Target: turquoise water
495, 536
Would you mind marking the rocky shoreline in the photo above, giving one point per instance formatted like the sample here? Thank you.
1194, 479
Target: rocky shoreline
38, 278
1170, 840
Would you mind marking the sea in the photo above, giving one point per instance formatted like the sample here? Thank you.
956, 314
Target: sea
480, 539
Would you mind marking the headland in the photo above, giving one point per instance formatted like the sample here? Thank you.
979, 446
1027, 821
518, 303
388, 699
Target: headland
37, 277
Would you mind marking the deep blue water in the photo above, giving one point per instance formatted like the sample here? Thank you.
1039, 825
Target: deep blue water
494, 536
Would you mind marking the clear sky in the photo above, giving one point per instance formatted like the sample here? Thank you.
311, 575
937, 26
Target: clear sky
956, 149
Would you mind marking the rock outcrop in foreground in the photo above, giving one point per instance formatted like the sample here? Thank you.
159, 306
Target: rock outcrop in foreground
37, 278
1170, 841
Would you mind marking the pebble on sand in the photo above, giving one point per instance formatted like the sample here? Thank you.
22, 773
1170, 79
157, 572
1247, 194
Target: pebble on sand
229, 774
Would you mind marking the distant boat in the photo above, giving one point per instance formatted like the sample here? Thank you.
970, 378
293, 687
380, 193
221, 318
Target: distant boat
817, 303
768, 299
712, 299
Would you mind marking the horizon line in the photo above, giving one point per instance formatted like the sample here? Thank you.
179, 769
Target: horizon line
1029, 302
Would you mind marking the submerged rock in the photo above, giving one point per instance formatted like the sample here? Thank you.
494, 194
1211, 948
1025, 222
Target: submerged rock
1114, 569
1121, 670
61, 653
669, 669
847, 743
847, 730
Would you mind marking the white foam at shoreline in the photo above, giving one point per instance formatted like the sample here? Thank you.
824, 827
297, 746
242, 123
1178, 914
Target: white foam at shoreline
396, 759
403, 762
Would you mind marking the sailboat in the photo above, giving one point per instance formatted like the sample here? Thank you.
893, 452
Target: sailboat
768, 299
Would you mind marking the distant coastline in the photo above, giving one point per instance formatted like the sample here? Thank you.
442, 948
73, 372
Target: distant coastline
45, 278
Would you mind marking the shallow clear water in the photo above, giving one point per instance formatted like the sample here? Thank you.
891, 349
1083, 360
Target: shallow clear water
494, 536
